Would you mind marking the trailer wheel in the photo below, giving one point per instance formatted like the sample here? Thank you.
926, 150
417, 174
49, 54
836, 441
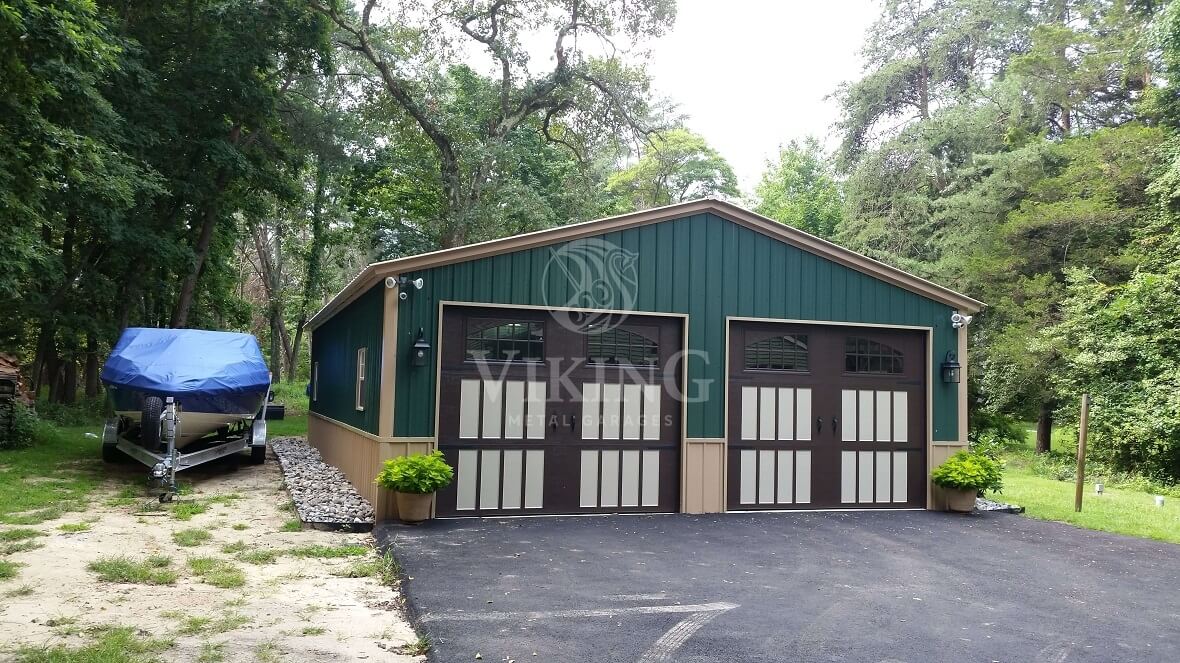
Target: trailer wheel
149, 422
111, 454
258, 455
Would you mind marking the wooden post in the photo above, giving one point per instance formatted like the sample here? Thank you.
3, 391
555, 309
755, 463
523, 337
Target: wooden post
1083, 429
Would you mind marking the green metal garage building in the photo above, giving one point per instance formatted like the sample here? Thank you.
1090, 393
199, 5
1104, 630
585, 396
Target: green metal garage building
696, 358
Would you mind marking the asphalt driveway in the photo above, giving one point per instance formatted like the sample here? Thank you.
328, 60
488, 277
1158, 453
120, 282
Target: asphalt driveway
837, 586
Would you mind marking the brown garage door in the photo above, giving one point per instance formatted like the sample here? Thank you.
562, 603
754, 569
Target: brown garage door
544, 414
826, 417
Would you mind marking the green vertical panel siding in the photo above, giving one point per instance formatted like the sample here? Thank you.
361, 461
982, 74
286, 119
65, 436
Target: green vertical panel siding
700, 265
333, 347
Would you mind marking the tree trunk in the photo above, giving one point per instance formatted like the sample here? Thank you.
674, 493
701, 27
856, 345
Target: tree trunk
91, 366
69, 382
1044, 427
311, 282
189, 286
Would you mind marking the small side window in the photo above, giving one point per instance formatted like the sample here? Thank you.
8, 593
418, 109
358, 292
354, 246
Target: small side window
360, 379
315, 381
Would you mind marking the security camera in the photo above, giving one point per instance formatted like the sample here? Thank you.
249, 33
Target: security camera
403, 295
390, 282
959, 320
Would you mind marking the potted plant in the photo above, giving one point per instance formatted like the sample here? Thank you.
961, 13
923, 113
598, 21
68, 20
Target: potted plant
966, 475
414, 480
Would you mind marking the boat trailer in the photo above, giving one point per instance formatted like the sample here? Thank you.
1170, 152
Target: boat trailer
170, 460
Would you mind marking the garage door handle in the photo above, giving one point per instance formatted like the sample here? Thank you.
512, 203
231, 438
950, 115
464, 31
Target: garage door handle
819, 424
573, 422
835, 424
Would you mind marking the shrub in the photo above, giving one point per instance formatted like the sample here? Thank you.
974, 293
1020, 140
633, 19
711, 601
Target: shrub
968, 470
24, 428
420, 474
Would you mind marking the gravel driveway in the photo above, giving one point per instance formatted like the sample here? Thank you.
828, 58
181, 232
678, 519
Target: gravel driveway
894, 586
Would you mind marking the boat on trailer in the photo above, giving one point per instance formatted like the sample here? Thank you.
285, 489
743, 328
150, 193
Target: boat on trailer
184, 397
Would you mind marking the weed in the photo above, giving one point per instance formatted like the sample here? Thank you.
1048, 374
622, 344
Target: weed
64, 626
241, 526
23, 590
151, 507
328, 552
193, 624
227, 498
74, 527
8, 570
235, 547
267, 652
212, 652
292, 526
19, 546
314, 630
34, 517
260, 556
419, 647
217, 572
18, 535
188, 538
112, 645
384, 568
151, 571
186, 510
288, 506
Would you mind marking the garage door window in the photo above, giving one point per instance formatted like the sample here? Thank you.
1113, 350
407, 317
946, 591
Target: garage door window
778, 353
500, 340
620, 346
862, 355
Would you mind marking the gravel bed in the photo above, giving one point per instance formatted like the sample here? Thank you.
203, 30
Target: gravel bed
982, 504
322, 494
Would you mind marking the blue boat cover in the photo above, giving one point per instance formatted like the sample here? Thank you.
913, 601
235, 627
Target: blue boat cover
178, 362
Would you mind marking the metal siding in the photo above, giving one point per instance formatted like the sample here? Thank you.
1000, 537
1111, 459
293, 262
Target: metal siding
334, 346
701, 265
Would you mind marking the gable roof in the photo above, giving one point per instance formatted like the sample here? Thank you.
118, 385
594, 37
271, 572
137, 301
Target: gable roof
377, 271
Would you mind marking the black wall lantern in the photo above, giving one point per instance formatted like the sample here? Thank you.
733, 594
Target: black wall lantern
420, 352
951, 368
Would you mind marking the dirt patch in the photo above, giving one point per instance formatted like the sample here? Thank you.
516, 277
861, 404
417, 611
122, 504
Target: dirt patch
290, 607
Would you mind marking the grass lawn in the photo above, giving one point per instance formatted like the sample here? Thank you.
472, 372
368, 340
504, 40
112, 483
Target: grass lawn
287, 426
52, 476
1119, 510
1122, 510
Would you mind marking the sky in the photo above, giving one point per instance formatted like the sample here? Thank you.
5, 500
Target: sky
752, 74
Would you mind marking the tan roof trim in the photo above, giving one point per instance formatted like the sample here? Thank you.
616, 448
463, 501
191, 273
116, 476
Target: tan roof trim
377, 271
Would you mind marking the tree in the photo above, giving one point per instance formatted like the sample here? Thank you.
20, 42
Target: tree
584, 96
920, 55
801, 190
679, 165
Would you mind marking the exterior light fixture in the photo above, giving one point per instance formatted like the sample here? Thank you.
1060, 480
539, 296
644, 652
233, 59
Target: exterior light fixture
420, 352
951, 368
401, 282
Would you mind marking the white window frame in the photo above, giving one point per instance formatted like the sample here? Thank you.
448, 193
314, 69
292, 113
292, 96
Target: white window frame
315, 381
360, 379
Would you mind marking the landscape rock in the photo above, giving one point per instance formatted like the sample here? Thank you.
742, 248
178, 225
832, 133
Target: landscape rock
321, 492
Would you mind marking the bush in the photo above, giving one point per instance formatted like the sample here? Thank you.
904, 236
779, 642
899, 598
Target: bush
24, 428
992, 433
84, 412
420, 474
969, 470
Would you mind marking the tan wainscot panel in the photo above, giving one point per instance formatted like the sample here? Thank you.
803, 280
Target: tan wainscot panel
360, 456
939, 453
704, 475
